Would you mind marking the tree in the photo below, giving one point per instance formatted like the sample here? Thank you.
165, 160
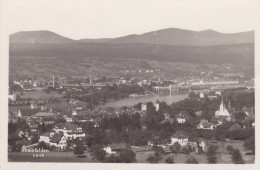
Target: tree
98, 153
237, 157
211, 154
192, 95
79, 150
240, 116
175, 148
249, 144
192, 160
42, 145
152, 159
113, 159
127, 156
187, 149
169, 160
11, 127
230, 149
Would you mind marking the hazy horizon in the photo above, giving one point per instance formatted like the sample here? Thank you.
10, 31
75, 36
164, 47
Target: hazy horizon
111, 19
129, 34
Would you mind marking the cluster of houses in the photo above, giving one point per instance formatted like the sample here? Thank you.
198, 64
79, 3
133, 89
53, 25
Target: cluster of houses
61, 133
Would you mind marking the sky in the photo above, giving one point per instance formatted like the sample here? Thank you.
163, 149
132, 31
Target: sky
114, 18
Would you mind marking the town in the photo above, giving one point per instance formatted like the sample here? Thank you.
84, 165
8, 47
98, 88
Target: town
66, 119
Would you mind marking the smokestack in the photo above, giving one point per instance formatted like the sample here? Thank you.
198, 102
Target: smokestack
90, 78
53, 81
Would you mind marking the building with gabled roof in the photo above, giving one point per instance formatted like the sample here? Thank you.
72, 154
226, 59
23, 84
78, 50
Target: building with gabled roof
182, 117
70, 131
113, 148
204, 124
181, 137
54, 139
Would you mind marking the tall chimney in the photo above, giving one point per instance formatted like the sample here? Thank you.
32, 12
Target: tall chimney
90, 78
53, 81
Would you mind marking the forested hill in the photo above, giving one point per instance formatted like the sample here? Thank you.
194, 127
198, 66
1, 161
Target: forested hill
235, 53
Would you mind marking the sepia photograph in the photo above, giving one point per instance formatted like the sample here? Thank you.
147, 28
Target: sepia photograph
140, 82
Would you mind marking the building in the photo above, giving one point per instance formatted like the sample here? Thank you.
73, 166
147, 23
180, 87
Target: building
54, 139
222, 111
69, 130
180, 137
114, 148
202, 95
143, 107
182, 117
204, 124
157, 106
12, 97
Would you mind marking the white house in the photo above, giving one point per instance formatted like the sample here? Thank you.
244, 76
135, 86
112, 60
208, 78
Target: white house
181, 117
12, 97
202, 95
204, 124
69, 130
143, 107
113, 148
157, 106
54, 139
180, 137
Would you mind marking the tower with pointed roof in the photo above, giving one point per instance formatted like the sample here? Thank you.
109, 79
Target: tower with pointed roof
222, 111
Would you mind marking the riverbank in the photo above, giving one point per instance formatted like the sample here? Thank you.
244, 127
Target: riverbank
131, 101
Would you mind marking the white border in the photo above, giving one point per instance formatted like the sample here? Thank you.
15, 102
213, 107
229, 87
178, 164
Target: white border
4, 117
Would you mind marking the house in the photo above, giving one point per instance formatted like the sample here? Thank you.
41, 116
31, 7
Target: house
198, 113
181, 137
54, 139
48, 120
69, 130
45, 115
12, 97
167, 119
202, 95
235, 127
157, 106
204, 124
114, 148
143, 107
32, 124
68, 119
182, 117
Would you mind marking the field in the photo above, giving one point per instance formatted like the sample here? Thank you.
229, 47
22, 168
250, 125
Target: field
39, 94
140, 156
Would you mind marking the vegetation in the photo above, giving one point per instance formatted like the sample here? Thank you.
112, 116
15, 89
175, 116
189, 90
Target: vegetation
192, 160
249, 144
169, 160
79, 150
211, 154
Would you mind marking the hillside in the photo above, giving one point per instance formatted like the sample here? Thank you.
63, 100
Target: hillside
170, 36
173, 36
236, 54
38, 37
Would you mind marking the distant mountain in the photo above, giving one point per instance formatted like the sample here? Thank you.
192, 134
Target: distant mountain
170, 36
101, 40
174, 36
39, 37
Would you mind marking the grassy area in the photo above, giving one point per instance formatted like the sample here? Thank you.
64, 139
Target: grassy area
39, 94
222, 158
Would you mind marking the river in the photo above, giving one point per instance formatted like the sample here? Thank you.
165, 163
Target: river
131, 101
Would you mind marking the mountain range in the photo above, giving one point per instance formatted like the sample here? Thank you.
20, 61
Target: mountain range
170, 36
172, 44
